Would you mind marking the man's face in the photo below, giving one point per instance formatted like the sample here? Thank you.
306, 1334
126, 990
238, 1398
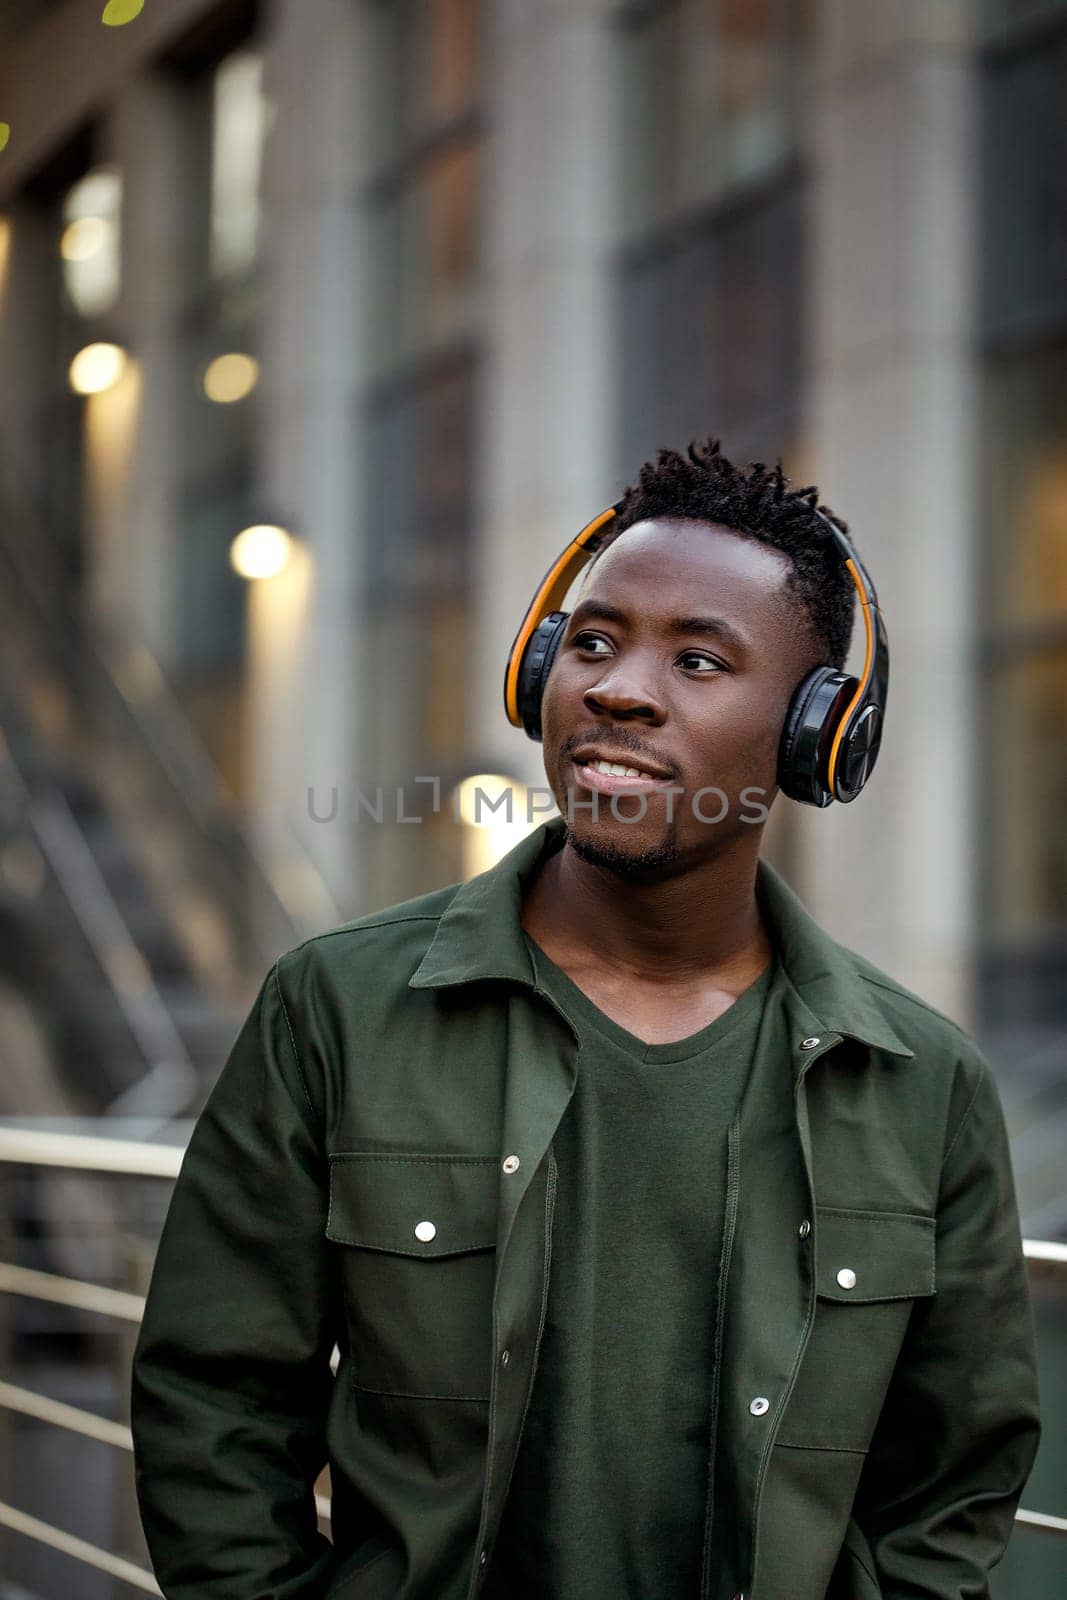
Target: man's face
679, 658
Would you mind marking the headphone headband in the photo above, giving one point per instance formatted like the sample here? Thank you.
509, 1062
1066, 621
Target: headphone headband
833, 727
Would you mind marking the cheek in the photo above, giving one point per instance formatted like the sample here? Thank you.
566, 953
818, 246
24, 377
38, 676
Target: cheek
562, 698
739, 737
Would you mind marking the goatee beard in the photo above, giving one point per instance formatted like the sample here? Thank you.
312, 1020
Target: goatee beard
632, 865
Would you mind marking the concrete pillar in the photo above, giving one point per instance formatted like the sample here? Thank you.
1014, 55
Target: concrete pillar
892, 421
143, 138
29, 291
548, 416
304, 729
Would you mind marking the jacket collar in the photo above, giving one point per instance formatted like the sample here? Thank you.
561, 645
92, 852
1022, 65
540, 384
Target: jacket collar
479, 936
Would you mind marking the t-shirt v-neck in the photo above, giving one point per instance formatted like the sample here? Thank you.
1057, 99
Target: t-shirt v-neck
559, 986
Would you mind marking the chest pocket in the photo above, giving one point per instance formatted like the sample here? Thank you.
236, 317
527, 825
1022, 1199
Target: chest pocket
871, 1267
416, 1236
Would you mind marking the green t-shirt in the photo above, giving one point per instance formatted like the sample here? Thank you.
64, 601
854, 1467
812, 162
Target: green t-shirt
609, 1491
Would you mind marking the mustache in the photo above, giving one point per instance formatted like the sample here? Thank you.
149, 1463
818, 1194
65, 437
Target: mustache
620, 742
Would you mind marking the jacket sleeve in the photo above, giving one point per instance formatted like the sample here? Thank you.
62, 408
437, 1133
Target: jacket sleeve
959, 1430
231, 1374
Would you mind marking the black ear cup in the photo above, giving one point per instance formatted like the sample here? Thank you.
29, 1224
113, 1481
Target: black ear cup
858, 753
807, 734
535, 666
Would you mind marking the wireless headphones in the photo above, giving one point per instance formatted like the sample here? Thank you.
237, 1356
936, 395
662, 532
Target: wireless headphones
833, 727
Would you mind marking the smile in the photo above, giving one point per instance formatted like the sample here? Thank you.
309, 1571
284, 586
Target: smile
612, 777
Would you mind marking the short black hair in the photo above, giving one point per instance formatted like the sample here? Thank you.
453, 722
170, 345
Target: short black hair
758, 503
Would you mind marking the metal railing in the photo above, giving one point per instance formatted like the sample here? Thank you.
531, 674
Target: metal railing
89, 1153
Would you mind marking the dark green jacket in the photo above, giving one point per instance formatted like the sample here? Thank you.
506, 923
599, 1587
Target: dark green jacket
374, 1170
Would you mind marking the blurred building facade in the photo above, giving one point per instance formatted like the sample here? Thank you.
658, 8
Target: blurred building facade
421, 283
424, 283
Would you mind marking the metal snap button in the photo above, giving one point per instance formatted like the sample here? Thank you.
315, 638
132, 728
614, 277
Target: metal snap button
483, 1558
804, 1229
425, 1231
759, 1406
505, 1357
510, 1163
809, 1044
846, 1278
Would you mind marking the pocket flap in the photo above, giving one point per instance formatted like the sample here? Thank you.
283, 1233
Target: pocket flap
413, 1204
873, 1255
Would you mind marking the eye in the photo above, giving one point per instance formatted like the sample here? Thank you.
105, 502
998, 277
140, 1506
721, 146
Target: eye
704, 663
586, 641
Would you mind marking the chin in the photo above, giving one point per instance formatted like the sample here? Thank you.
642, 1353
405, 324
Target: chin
612, 855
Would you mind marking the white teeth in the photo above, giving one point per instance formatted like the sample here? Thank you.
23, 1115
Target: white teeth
618, 770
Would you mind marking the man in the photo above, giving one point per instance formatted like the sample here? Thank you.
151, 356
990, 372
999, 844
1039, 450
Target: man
669, 1247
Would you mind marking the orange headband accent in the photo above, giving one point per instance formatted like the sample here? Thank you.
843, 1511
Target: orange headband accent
549, 597
865, 676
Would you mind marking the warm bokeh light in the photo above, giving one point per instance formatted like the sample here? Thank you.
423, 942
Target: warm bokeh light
5, 134
230, 377
96, 368
83, 238
89, 244
118, 12
477, 811
260, 551
490, 833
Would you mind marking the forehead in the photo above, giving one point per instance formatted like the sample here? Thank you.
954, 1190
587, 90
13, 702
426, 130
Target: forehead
667, 564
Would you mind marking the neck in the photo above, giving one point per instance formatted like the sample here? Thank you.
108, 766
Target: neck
697, 924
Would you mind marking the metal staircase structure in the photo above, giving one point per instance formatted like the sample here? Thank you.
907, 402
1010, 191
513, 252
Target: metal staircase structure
123, 862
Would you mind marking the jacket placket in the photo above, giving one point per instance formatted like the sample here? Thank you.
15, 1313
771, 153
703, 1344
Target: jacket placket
542, 1068
768, 1309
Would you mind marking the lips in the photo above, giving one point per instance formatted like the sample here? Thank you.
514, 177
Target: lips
585, 757
590, 778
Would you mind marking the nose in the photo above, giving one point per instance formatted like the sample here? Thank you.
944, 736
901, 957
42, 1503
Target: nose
620, 693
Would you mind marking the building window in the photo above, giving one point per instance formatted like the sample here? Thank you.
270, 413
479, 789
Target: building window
711, 91
227, 120
424, 202
420, 413
239, 120
90, 242
1000, 15
711, 269
1024, 503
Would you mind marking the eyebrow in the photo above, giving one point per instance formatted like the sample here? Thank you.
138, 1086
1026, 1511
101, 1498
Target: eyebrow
707, 627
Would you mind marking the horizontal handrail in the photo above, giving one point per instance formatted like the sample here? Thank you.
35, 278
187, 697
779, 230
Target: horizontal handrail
75, 1419
37, 1147
60, 1291
1042, 1522
88, 1152
90, 1554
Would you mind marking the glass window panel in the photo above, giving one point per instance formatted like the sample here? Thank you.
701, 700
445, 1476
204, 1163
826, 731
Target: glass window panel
1026, 488
421, 438
211, 610
239, 131
651, 119
1027, 795
711, 324
431, 57
90, 241
429, 256
708, 100
1025, 189
1001, 14
446, 75
754, 86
